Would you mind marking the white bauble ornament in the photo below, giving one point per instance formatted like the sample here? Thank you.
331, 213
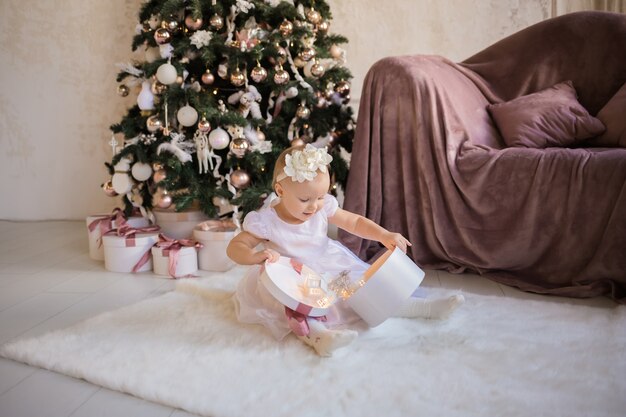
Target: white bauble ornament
187, 116
335, 51
141, 171
122, 183
166, 74
145, 99
219, 139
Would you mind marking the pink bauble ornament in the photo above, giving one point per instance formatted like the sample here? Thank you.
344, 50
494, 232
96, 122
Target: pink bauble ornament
162, 199
258, 74
297, 142
286, 27
203, 125
281, 76
240, 179
159, 175
208, 78
317, 70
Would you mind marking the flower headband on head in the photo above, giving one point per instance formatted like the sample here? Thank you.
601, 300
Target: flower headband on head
303, 165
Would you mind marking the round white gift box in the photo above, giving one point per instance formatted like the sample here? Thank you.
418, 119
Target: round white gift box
387, 284
187, 263
288, 286
178, 225
122, 254
96, 249
212, 256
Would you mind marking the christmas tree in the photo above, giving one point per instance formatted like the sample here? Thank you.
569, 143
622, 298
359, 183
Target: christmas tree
225, 86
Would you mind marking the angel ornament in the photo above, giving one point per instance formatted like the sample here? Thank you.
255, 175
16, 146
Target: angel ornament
202, 151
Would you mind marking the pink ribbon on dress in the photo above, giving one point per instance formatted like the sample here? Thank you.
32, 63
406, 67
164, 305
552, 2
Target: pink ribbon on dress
128, 233
171, 248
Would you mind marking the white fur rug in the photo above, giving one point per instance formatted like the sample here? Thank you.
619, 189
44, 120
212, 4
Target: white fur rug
496, 356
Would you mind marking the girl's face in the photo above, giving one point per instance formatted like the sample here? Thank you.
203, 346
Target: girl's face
300, 201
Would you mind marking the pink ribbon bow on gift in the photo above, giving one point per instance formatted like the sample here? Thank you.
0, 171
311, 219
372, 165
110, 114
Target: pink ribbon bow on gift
171, 249
105, 223
128, 233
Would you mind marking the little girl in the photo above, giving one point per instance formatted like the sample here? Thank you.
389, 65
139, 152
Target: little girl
296, 225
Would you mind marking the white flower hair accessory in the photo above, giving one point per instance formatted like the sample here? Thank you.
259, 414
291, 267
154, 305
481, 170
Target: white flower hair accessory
303, 165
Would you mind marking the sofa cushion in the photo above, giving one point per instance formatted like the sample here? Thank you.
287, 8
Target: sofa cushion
550, 117
613, 115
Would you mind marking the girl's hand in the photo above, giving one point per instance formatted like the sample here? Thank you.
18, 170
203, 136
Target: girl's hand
393, 240
269, 255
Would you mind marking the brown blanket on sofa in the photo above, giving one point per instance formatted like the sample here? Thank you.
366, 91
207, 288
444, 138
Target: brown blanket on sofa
428, 162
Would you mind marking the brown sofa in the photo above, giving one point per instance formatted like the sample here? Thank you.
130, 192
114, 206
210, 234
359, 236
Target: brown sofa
430, 162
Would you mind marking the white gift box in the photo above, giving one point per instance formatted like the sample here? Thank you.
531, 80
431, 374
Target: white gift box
288, 282
212, 256
385, 287
178, 225
186, 264
96, 249
121, 254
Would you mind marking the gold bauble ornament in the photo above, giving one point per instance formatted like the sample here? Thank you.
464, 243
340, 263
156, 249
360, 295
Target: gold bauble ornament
313, 16
323, 26
286, 28
317, 70
237, 78
239, 147
240, 178
203, 125
192, 23
170, 24
343, 88
162, 36
216, 22
258, 74
153, 124
208, 78
281, 76
158, 88
303, 112
107, 187
307, 54
123, 90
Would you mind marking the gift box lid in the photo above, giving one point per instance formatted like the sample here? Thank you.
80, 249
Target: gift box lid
138, 239
182, 216
286, 282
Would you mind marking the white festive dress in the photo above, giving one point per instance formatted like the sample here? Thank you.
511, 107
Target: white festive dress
309, 244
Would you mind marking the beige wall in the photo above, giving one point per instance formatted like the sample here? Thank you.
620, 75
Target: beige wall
58, 81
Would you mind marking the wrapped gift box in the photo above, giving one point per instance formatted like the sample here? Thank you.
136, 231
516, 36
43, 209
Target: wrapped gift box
129, 253
98, 224
385, 286
175, 263
178, 225
214, 236
291, 283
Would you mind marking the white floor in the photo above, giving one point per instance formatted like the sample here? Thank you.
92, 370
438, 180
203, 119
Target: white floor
47, 282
